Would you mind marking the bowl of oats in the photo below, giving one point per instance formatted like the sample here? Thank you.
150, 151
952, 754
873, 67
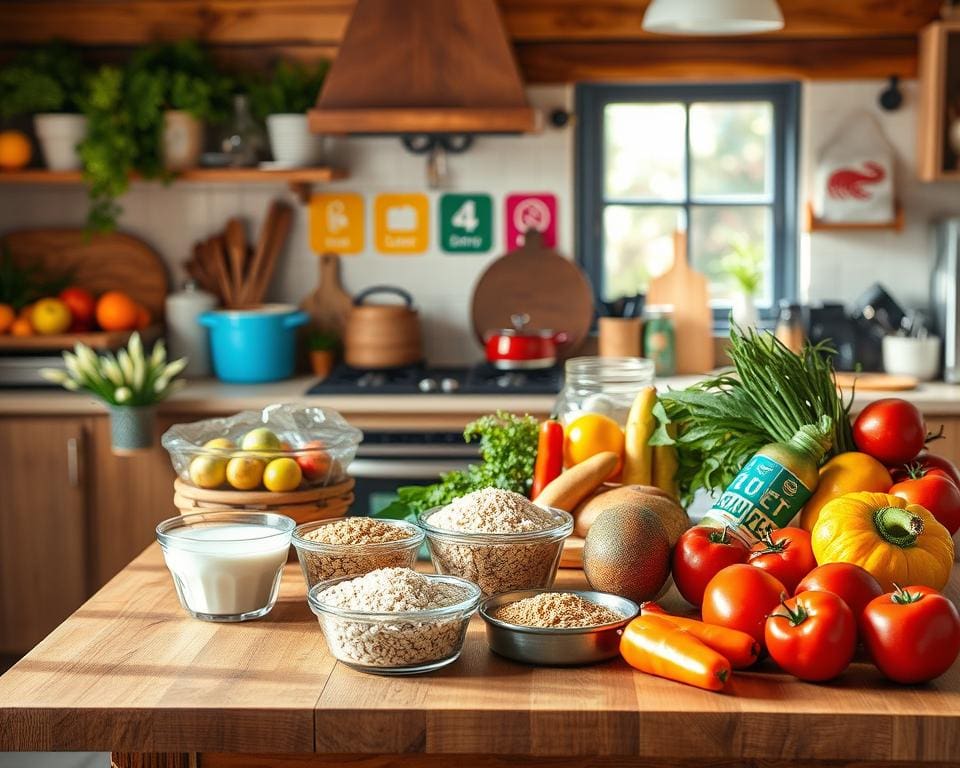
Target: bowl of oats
395, 621
352, 546
497, 539
557, 628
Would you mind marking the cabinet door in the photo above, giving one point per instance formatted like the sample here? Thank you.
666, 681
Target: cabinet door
43, 527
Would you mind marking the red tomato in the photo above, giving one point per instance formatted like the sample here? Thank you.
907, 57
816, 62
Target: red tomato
700, 554
812, 636
926, 464
935, 493
851, 583
786, 553
741, 597
891, 430
913, 634
81, 304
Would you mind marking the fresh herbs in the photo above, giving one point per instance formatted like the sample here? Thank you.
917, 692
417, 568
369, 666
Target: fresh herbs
45, 79
508, 448
23, 284
723, 421
289, 89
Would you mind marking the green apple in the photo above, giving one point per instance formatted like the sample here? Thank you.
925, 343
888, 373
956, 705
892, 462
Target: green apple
260, 439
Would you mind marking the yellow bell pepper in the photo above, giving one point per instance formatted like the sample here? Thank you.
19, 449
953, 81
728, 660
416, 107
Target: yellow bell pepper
898, 542
843, 474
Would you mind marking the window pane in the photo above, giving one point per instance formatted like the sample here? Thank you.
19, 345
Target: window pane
727, 238
730, 148
638, 244
643, 151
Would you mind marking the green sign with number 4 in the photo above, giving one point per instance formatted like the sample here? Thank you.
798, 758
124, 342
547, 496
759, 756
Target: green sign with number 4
466, 223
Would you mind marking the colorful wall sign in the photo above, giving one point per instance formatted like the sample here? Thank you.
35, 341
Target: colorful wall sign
531, 211
466, 223
401, 223
336, 223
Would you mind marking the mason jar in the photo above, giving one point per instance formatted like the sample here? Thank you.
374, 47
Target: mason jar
605, 385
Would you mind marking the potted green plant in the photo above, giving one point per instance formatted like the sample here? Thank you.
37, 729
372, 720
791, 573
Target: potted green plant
743, 267
323, 353
282, 99
48, 83
131, 383
146, 118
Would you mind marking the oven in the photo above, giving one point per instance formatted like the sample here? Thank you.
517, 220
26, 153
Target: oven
387, 460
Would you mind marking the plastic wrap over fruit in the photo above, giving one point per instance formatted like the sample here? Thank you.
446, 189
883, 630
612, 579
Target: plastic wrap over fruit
281, 448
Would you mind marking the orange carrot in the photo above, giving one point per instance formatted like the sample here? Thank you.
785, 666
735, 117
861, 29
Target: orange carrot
740, 649
655, 646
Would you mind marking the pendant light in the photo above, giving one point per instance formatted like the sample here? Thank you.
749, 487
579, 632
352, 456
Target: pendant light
712, 17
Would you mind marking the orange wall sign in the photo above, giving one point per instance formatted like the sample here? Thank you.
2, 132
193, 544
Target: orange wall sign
336, 223
402, 223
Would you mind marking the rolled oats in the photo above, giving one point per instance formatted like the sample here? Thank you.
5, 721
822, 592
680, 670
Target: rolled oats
556, 609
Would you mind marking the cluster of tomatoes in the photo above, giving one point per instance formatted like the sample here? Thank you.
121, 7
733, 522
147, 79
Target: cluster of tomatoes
912, 634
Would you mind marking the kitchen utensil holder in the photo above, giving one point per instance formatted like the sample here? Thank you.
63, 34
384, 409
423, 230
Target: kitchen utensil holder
619, 336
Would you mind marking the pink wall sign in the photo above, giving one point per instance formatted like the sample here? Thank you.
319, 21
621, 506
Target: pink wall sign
531, 211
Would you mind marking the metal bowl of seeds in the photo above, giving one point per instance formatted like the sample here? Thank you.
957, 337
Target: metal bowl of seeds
351, 546
557, 628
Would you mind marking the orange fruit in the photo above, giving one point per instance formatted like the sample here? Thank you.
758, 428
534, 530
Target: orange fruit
282, 475
15, 150
7, 316
117, 312
590, 434
50, 316
21, 327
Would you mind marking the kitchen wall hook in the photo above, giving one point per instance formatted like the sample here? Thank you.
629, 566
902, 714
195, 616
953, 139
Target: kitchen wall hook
436, 147
891, 97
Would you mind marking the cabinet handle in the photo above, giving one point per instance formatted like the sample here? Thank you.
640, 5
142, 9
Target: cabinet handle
73, 461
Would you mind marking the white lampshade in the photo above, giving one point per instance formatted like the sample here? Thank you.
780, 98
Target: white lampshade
712, 17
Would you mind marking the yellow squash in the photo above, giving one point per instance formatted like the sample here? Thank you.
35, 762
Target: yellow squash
638, 459
895, 541
844, 473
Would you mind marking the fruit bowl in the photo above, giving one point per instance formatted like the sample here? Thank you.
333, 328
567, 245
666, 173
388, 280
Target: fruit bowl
282, 448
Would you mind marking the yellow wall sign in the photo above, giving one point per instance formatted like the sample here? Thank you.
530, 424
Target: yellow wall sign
402, 223
336, 223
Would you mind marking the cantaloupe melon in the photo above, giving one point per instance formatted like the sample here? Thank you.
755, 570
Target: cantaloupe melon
627, 552
671, 514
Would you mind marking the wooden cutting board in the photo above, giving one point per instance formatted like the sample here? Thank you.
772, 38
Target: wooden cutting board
539, 282
688, 292
876, 382
329, 305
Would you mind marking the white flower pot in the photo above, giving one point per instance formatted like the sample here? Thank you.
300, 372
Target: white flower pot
182, 141
291, 141
59, 135
744, 310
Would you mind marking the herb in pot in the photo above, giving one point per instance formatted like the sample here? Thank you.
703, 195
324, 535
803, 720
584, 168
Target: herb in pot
508, 448
289, 89
45, 79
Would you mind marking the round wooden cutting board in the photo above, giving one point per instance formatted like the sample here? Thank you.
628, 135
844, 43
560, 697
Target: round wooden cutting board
539, 282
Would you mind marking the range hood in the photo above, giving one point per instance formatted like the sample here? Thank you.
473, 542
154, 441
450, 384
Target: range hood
434, 67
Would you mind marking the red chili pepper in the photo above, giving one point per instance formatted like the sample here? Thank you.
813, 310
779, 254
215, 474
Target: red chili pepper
549, 463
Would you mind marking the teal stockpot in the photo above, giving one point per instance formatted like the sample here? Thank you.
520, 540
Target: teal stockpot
253, 345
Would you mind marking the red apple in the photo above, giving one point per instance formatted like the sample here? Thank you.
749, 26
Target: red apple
81, 304
315, 465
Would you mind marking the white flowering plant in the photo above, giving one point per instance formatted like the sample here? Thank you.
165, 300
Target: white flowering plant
129, 378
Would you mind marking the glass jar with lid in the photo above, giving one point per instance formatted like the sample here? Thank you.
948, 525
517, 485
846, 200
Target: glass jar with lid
606, 385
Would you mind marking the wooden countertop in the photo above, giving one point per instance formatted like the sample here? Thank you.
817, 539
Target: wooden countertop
129, 671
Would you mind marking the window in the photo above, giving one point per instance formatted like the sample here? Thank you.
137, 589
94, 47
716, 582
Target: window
719, 161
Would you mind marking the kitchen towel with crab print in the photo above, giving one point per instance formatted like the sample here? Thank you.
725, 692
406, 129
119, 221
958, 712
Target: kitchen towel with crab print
854, 178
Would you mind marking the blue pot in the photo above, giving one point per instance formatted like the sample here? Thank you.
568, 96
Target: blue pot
253, 345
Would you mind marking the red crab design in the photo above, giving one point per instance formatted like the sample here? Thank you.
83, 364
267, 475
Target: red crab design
849, 182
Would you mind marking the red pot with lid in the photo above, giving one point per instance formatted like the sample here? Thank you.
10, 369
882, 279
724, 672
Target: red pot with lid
518, 348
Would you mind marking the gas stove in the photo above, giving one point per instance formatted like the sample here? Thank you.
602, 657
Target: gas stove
481, 379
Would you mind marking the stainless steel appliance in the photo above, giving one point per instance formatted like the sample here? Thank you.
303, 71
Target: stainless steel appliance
945, 295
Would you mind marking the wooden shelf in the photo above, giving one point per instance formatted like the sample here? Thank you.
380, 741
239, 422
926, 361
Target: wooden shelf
300, 180
812, 224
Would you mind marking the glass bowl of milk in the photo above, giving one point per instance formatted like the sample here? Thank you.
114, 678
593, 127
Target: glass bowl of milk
226, 566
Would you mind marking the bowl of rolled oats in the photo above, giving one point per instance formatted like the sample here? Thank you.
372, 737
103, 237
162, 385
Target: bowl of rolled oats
395, 621
497, 539
352, 546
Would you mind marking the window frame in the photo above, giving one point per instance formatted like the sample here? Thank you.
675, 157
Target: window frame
591, 99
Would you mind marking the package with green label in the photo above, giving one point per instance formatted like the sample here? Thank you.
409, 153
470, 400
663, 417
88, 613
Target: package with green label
772, 487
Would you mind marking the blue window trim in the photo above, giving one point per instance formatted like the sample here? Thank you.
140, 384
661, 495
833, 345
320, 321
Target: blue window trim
785, 97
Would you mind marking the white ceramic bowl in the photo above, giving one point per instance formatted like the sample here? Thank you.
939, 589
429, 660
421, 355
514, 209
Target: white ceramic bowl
907, 356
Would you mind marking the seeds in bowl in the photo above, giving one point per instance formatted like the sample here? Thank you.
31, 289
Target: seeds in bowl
559, 610
386, 643
497, 539
351, 546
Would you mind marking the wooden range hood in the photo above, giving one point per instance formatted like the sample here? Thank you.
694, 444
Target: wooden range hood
432, 67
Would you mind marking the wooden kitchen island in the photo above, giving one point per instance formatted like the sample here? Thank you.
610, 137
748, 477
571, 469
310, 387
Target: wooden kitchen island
130, 673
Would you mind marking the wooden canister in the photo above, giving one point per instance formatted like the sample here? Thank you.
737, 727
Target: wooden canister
619, 337
382, 335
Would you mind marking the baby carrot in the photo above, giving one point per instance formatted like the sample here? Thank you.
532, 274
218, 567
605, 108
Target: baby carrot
740, 649
655, 646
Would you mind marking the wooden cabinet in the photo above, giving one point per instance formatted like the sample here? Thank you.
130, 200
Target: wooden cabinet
939, 102
44, 526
